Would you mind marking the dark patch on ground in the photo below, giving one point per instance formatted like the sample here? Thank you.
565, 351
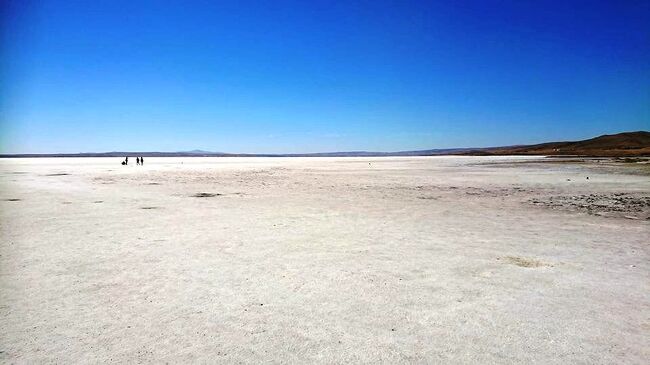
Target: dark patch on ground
153, 183
98, 201
631, 166
59, 174
206, 195
622, 205
104, 181
525, 262
631, 160
472, 191
541, 161
12, 200
495, 192
147, 208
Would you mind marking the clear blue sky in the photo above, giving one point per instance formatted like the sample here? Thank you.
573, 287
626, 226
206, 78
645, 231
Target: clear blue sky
310, 76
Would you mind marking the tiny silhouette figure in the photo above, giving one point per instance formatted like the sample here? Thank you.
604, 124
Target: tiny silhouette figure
141, 161
137, 160
126, 160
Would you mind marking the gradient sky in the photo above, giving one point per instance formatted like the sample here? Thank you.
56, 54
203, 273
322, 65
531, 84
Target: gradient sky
313, 76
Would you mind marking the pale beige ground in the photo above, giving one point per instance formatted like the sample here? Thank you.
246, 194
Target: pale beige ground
314, 260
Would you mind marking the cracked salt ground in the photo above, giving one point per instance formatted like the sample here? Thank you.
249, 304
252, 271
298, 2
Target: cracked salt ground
405, 260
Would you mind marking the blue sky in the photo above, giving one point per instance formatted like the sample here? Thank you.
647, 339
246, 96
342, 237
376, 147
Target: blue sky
313, 76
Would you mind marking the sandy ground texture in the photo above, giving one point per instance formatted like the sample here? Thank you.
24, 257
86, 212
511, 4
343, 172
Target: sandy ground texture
324, 260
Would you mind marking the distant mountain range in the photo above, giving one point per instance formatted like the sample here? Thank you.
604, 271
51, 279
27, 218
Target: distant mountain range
614, 145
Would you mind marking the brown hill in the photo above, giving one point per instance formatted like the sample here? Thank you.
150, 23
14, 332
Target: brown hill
611, 145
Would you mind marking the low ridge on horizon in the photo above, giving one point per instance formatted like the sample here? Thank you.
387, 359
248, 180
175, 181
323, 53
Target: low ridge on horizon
624, 144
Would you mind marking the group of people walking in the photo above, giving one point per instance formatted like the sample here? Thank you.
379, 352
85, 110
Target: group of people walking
138, 160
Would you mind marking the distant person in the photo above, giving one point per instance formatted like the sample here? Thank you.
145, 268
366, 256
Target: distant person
126, 160
141, 161
137, 160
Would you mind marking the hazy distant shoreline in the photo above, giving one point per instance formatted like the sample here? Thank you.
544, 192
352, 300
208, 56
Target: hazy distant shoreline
628, 144
217, 154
